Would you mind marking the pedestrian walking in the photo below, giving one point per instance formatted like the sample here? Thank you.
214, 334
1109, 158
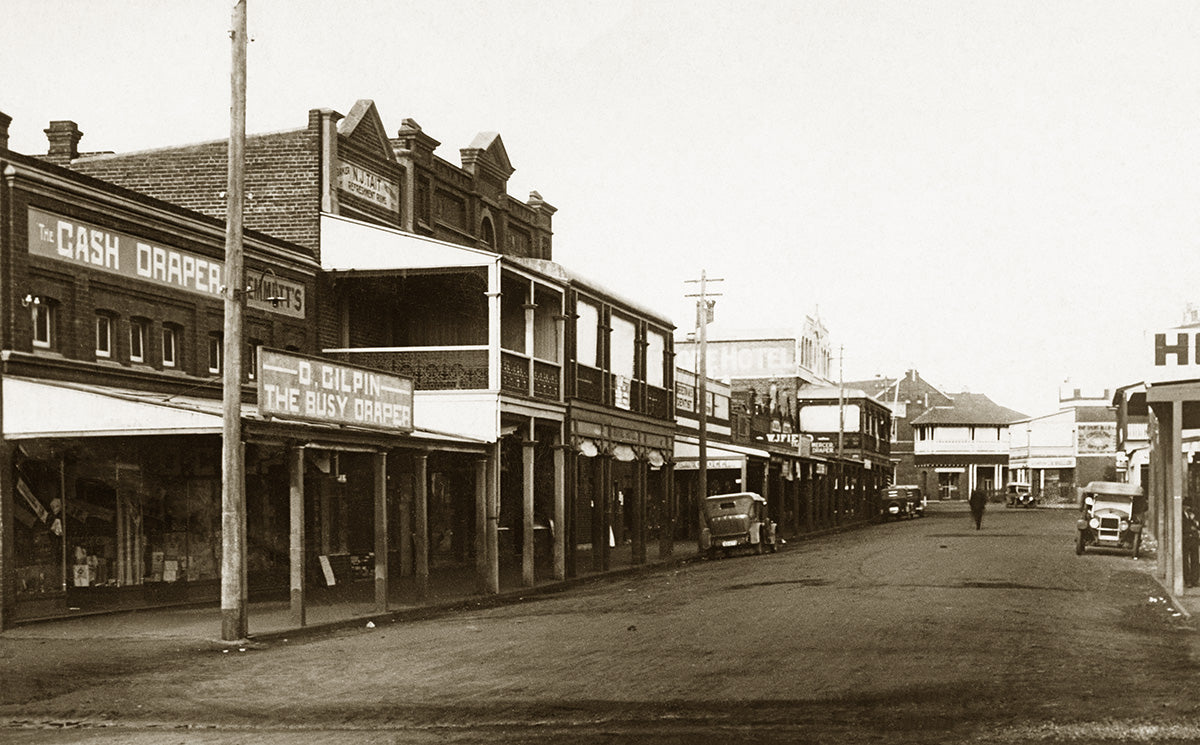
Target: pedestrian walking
978, 501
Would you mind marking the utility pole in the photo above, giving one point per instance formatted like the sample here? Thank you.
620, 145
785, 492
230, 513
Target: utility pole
704, 316
841, 400
233, 466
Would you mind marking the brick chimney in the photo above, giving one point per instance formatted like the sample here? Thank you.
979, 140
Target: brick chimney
5, 120
64, 139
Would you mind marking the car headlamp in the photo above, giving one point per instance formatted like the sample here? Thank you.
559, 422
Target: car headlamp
1094, 523
1124, 525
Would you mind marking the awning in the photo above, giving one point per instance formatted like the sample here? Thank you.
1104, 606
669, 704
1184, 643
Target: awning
723, 456
42, 408
690, 448
34, 408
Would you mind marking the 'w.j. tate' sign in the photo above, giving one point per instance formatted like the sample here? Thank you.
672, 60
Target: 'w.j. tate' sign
294, 387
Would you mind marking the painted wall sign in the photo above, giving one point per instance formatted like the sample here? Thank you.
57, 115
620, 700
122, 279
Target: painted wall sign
368, 185
1097, 438
84, 244
294, 387
742, 359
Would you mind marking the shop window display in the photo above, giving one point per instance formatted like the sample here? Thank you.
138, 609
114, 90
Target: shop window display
116, 513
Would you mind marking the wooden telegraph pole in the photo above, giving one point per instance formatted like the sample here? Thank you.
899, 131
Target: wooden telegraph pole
704, 315
233, 465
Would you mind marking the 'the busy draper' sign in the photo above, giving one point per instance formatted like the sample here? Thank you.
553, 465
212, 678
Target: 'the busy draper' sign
86, 244
294, 387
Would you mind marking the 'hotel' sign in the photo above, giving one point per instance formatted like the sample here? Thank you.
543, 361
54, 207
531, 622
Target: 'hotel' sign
1174, 355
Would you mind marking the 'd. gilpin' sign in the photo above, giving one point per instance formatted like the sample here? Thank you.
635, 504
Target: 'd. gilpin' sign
294, 387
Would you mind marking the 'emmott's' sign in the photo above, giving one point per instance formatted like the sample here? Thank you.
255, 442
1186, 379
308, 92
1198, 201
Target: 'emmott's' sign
1175, 355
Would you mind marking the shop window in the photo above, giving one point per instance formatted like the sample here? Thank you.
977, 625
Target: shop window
137, 339
104, 328
44, 317
170, 346
215, 342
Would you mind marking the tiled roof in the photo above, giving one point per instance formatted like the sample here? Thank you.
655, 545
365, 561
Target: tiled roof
970, 408
282, 196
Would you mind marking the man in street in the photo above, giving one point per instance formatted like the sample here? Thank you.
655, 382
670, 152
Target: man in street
978, 501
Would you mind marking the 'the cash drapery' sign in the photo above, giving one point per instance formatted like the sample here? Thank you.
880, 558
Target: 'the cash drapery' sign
85, 244
294, 387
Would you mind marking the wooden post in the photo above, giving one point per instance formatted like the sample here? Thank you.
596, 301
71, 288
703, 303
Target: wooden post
637, 543
481, 522
493, 520
527, 459
421, 520
234, 624
1178, 480
381, 533
296, 534
666, 539
559, 534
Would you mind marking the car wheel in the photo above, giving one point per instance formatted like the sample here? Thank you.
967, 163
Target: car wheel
1079, 543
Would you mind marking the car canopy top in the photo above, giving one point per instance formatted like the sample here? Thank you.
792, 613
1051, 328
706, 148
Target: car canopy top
1113, 488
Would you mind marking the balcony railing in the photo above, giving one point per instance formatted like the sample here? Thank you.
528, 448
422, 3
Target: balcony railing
517, 371
430, 369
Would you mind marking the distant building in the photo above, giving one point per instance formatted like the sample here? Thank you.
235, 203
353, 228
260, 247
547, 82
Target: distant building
1058, 452
962, 446
908, 397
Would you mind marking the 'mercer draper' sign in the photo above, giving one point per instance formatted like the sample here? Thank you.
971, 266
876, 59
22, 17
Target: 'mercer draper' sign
1174, 355
90, 245
294, 387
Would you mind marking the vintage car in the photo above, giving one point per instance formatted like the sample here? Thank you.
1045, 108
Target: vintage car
733, 521
900, 501
1019, 494
1110, 517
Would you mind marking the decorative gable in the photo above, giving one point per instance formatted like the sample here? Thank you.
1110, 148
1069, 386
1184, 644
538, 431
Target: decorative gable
363, 128
486, 159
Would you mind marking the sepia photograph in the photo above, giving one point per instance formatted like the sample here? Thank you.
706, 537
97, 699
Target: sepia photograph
644, 371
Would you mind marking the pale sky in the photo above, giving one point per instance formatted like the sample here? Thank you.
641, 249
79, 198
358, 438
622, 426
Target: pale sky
998, 194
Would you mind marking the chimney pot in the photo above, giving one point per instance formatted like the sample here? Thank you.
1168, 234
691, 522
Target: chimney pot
5, 120
64, 136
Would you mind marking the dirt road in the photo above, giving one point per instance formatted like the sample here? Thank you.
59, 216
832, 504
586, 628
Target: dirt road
920, 631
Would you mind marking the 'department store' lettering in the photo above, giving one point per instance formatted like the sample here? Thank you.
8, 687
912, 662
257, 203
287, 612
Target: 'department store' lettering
86, 244
291, 386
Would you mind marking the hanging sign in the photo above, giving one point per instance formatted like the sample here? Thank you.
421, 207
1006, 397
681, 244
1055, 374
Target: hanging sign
291, 386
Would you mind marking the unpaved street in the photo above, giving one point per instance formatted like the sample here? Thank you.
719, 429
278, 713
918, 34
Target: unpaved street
920, 631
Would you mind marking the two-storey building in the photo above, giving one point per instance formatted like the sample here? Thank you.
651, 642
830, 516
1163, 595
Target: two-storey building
431, 270
111, 354
963, 446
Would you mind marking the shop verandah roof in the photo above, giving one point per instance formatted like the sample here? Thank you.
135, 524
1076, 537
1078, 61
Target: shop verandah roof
35, 408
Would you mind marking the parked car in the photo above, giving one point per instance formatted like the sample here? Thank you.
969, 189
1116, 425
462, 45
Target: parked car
1019, 494
902, 501
733, 521
1110, 517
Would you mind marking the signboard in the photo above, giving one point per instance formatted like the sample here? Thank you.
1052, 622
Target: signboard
85, 244
742, 359
622, 385
368, 185
714, 464
1173, 354
294, 387
1096, 438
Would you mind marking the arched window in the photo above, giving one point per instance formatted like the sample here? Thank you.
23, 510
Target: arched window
487, 233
